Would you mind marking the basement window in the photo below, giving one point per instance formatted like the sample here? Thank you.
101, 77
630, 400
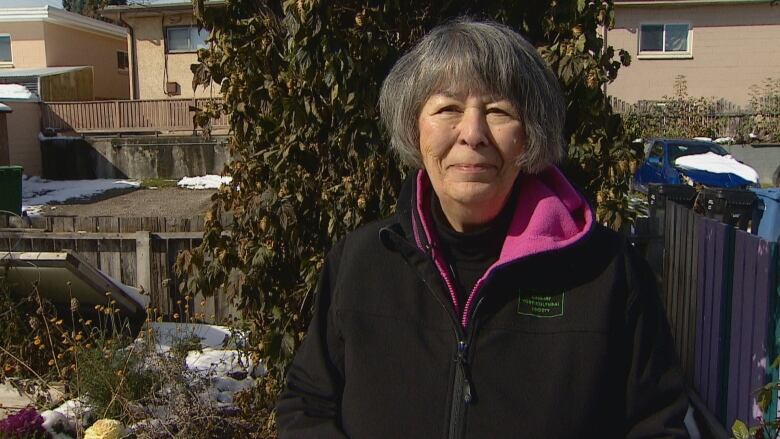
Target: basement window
5, 49
183, 39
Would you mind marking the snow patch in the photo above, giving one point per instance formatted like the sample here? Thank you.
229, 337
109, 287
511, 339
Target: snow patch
37, 192
725, 140
711, 162
706, 139
44, 138
16, 91
204, 182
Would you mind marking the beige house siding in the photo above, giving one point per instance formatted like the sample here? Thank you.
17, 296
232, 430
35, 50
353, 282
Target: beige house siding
733, 47
28, 49
23, 128
66, 47
155, 67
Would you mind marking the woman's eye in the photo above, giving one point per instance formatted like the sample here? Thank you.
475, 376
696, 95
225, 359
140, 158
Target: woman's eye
449, 109
498, 111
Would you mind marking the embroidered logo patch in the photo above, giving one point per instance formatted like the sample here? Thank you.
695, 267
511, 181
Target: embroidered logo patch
541, 306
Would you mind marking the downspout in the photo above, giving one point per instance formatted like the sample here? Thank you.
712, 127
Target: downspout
133, 59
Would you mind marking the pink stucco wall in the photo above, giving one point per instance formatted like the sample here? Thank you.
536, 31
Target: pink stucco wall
734, 46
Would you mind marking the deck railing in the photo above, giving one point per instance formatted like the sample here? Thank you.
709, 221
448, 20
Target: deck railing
151, 115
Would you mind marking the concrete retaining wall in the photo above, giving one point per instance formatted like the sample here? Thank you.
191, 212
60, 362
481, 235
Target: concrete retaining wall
139, 157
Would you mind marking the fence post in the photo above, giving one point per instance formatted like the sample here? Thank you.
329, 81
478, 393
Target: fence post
143, 255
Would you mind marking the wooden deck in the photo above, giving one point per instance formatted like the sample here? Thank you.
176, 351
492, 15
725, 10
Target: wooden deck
131, 116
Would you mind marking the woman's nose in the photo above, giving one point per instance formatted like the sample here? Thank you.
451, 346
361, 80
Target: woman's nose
474, 130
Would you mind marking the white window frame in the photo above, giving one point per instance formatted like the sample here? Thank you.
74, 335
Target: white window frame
184, 26
662, 54
126, 69
11, 48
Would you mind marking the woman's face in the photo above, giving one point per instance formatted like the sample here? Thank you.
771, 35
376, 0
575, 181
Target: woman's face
469, 145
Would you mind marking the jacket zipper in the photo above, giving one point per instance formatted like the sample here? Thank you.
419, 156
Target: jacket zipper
461, 387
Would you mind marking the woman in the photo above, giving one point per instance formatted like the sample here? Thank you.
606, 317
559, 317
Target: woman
491, 305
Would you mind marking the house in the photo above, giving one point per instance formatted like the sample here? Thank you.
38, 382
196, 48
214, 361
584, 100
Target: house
164, 40
722, 47
24, 124
39, 39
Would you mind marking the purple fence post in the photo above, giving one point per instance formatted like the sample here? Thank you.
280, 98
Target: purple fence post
715, 250
752, 344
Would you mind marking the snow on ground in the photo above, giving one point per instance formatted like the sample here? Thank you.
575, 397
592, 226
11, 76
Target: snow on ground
718, 164
211, 336
725, 140
15, 91
37, 192
224, 369
204, 182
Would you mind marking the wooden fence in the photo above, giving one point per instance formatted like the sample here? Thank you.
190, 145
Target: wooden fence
723, 118
136, 251
150, 115
720, 289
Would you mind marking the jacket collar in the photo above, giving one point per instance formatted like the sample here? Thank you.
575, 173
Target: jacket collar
550, 215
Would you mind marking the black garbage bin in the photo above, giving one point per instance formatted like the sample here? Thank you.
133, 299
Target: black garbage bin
729, 206
658, 194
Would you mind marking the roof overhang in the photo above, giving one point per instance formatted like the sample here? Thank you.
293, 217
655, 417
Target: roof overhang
682, 3
48, 14
151, 9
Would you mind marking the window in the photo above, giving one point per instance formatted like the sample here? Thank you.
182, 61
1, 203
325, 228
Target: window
665, 41
122, 60
657, 154
180, 39
5, 48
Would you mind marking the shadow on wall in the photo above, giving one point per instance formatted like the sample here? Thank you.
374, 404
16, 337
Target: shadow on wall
139, 157
70, 158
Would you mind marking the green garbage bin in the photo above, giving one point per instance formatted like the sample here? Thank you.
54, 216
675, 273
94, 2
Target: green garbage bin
11, 189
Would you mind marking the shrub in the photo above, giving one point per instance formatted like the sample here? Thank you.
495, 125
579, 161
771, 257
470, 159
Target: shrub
765, 104
300, 81
111, 374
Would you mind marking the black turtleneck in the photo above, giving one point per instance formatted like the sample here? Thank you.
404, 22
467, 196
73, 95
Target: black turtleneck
470, 254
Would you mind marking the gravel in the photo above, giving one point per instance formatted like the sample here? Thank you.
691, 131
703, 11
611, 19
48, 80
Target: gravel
164, 201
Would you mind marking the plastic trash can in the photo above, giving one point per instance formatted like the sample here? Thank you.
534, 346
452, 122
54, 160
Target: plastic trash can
730, 206
658, 194
766, 216
11, 189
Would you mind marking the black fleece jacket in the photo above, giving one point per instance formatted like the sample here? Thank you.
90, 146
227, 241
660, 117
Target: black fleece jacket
566, 343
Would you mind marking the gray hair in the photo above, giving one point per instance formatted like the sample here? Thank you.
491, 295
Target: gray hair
467, 55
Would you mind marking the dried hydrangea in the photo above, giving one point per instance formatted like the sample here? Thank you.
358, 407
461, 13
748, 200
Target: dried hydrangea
105, 429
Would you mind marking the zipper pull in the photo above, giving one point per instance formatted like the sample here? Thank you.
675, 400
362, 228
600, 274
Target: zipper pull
466, 390
462, 348
461, 359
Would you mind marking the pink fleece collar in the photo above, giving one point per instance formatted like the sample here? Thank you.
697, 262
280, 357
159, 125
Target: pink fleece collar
550, 215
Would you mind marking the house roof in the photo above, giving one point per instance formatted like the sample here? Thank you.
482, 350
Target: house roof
12, 4
680, 3
16, 11
146, 6
44, 71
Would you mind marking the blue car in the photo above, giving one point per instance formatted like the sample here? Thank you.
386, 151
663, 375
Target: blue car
660, 165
